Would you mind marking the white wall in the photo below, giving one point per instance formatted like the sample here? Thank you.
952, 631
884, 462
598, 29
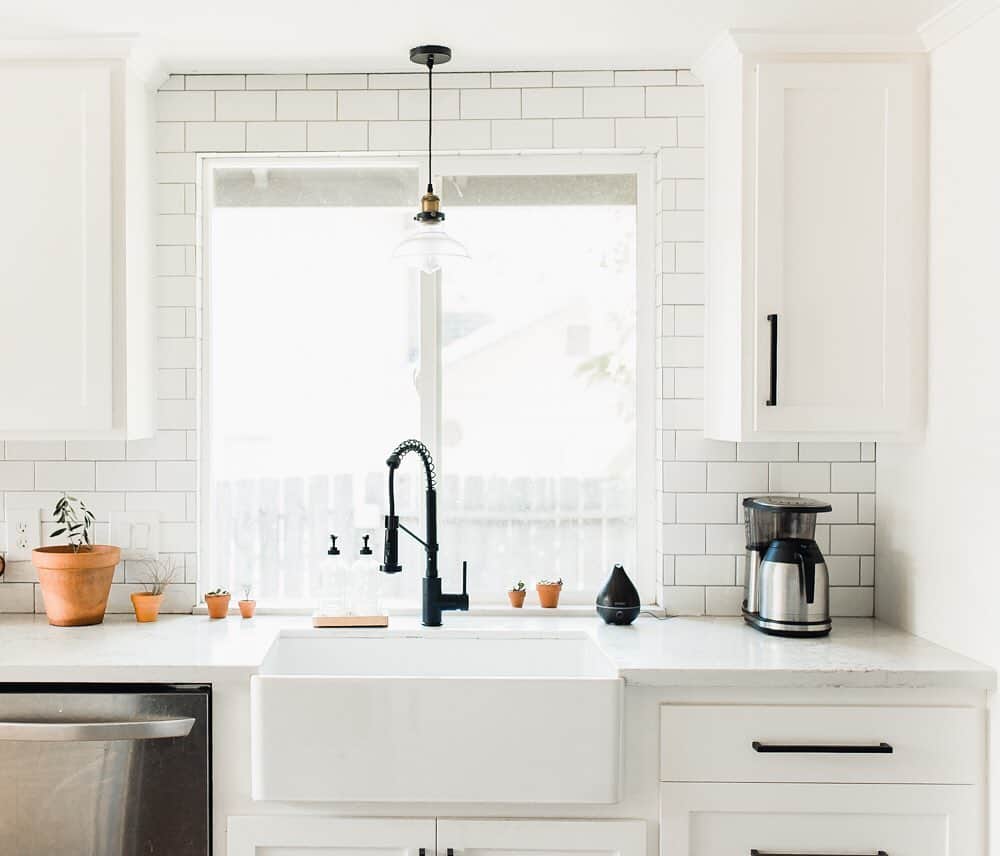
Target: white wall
938, 574
700, 483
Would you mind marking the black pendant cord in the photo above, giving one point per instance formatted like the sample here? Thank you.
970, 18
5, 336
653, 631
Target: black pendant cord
430, 123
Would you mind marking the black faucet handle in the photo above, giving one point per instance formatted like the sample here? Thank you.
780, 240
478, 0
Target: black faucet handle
465, 577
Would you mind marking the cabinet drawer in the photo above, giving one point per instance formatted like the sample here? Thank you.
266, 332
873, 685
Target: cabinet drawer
762, 743
862, 820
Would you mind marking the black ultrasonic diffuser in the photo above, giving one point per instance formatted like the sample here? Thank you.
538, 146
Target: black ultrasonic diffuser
618, 601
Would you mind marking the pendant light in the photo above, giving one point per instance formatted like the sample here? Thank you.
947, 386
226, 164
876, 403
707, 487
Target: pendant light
429, 245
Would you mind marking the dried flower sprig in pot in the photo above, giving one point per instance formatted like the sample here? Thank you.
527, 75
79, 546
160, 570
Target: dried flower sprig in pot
75, 577
247, 604
160, 574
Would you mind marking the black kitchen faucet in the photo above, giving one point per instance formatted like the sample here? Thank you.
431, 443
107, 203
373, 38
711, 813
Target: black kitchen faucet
434, 601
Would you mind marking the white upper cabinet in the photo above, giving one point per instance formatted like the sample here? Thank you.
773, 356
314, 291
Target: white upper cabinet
816, 245
76, 356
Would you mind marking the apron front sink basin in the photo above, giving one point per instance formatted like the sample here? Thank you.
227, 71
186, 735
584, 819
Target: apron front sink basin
436, 716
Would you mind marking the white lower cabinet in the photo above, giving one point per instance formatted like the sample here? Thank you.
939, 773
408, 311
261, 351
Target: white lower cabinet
723, 819
310, 835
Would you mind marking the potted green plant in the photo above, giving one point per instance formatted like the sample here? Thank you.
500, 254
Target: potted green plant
548, 593
160, 573
247, 604
75, 577
517, 594
217, 601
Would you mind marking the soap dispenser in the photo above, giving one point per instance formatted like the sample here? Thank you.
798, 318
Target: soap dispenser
364, 583
334, 582
618, 602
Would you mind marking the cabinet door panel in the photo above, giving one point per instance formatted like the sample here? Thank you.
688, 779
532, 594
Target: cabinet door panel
902, 820
541, 837
311, 835
835, 246
56, 247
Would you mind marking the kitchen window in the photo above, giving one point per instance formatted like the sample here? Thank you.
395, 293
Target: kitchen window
528, 371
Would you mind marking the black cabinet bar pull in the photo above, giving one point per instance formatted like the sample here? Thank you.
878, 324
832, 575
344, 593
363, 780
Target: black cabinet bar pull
423, 851
756, 852
772, 399
821, 749
451, 852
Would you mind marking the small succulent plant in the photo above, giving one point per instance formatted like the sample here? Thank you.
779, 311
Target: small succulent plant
217, 592
557, 582
518, 587
76, 522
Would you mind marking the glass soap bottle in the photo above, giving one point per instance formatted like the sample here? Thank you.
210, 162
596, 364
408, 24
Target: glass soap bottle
334, 582
364, 578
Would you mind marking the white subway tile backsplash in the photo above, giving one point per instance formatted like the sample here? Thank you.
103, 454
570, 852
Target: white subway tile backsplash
645, 78
737, 477
829, 451
244, 106
583, 78
645, 133
767, 452
164, 446
674, 101
690, 194
583, 133
521, 133
856, 601
64, 475
413, 104
799, 477
336, 81
171, 506
17, 475
336, 136
706, 507
843, 570
176, 475
614, 101
185, 106
16, 597
705, 570
35, 450
684, 600
176, 413
95, 450
551, 103
684, 538
126, 475
490, 104
174, 167
694, 446
681, 476
169, 136
723, 600
866, 508
276, 81
521, 79
310, 104
851, 477
216, 137
725, 538
858, 540
367, 105
276, 136
690, 132
214, 81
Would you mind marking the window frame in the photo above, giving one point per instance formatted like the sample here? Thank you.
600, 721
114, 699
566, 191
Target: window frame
429, 388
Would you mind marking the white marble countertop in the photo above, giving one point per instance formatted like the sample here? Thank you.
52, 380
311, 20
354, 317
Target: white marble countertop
676, 652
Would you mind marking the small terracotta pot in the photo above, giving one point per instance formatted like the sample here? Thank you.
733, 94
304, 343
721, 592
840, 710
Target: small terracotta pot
146, 605
75, 586
247, 608
517, 598
548, 596
218, 605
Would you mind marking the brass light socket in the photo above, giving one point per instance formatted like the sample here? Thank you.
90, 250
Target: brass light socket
430, 203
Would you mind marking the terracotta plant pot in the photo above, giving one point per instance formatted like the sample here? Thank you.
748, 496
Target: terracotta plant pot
517, 598
548, 595
247, 608
146, 605
218, 605
75, 586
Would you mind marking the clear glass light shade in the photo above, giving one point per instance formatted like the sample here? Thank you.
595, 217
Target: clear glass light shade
428, 246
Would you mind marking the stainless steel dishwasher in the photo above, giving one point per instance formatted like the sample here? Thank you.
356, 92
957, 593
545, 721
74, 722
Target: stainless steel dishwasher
105, 770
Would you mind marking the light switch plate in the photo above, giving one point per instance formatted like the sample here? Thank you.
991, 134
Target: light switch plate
136, 533
24, 533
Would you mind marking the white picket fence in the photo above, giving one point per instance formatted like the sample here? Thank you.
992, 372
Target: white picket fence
273, 533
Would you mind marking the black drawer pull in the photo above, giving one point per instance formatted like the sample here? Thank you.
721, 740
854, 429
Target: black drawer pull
818, 749
772, 398
756, 852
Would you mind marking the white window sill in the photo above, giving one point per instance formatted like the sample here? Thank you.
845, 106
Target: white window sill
573, 610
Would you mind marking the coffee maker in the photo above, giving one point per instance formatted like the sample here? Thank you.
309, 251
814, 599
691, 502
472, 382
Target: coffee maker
787, 587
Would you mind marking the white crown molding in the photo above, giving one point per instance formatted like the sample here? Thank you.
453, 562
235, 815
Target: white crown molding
764, 41
142, 62
949, 22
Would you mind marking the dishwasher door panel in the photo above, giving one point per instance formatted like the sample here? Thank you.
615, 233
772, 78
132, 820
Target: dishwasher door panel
87, 771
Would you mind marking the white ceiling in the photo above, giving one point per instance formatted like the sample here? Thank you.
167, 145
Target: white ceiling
375, 35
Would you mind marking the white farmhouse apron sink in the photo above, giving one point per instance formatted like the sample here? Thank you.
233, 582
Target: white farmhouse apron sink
436, 716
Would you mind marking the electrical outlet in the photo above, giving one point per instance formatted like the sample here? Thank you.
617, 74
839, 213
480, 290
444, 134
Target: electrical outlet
24, 533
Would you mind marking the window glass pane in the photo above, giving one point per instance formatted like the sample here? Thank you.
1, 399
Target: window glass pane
313, 336
538, 381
